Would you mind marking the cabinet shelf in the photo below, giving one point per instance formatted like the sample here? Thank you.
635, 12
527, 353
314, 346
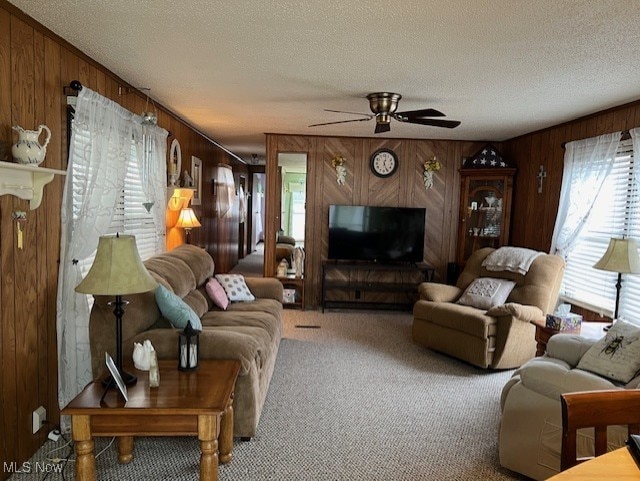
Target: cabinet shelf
26, 181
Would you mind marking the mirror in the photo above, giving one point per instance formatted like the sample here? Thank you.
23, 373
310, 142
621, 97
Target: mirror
292, 180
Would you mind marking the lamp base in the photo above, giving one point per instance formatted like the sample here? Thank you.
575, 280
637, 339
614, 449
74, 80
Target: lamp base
128, 379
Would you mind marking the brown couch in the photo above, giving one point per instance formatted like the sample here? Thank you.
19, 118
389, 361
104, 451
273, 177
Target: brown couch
499, 338
247, 331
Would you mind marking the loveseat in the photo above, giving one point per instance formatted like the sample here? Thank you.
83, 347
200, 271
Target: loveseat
530, 435
247, 331
499, 337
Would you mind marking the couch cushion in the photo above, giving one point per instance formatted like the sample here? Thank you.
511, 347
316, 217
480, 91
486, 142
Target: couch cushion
174, 271
486, 292
457, 317
198, 260
243, 319
617, 355
270, 306
176, 310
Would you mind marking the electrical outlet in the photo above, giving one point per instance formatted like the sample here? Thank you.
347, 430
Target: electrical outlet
39, 416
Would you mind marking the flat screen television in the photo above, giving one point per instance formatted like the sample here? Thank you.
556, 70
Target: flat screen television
376, 234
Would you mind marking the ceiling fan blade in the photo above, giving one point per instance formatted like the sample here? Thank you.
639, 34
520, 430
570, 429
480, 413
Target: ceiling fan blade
340, 122
352, 113
382, 127
420, 113
448, 124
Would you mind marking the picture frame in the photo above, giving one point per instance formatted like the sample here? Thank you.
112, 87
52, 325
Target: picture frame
196, 175
115, 374
174, 163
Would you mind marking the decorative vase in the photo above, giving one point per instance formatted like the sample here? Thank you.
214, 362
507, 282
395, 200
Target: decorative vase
28, 150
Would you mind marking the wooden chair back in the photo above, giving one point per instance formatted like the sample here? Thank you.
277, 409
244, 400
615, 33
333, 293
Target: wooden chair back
596, 409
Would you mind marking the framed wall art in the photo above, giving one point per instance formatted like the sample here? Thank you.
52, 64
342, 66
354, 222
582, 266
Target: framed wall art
196, 175
175, 163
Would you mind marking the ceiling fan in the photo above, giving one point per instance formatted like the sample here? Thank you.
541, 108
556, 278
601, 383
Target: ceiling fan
384, 105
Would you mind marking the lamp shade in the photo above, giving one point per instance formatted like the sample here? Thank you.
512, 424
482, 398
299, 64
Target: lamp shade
117, 269
187, 219
620, 256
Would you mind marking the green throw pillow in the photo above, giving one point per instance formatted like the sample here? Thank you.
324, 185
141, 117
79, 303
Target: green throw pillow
177, 312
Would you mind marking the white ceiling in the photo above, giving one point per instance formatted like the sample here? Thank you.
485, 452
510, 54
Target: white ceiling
238, 69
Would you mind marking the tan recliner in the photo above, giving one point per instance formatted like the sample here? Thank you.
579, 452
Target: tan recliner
500, 338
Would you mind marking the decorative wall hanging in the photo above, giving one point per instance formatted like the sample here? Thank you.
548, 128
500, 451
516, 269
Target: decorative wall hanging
196, 175
430, 166
20, 217
224, 187
341, 171
486, 158
175, 163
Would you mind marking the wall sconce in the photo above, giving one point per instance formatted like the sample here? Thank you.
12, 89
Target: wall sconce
430, 166
341, 171
187, 221
180, 199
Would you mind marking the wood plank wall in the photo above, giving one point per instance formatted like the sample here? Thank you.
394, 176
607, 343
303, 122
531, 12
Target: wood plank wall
404, 189
35, 65
534, 213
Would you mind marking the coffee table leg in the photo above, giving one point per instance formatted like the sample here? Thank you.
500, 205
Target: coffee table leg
125, 449
85, 466
208, 431
226, 434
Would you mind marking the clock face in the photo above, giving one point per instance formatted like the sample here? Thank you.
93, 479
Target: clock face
384, 162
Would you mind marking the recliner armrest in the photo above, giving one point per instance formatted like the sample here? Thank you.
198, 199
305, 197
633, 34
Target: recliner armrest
435, 292
568, 347
518, 311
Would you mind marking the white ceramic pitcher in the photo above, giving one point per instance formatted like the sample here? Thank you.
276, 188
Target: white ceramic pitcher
28, 150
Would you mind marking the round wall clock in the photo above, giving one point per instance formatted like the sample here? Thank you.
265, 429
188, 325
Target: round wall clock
384, 162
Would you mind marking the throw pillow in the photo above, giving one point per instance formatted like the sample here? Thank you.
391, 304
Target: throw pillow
235, 287
486, 292
617, 355
177, 312
216, 294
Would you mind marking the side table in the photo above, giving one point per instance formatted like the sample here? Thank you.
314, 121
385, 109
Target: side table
197, 403
588, 329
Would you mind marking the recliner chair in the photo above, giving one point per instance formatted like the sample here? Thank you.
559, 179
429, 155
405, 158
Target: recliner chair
501, 337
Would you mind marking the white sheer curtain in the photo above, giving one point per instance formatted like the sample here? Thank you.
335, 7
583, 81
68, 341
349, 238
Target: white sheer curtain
586, 165
103, 134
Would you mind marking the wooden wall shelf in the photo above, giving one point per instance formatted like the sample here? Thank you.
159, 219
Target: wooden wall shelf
26, 181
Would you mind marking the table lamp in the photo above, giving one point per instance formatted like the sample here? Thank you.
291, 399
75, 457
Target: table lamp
622, 257
117, 270
187, 221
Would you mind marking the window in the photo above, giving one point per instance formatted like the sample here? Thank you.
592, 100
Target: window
614, 214
131, 216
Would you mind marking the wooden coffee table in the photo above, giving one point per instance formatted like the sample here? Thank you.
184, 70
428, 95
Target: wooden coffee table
197, 403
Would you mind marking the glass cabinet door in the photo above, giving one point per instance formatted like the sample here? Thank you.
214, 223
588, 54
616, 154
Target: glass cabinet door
484, 211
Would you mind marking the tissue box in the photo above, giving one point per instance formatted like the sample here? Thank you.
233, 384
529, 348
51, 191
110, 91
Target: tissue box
565, 322
288, 296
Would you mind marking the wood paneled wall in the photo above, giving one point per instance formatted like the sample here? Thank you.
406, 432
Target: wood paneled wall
534, 213
35, 65
404, 189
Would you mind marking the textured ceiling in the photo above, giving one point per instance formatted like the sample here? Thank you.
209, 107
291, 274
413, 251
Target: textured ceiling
238, 69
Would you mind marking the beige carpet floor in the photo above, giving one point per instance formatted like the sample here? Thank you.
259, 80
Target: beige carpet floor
352, 398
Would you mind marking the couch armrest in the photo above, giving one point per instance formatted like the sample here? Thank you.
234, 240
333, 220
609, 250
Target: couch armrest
435, 292
568, 347
265, 287
517, 311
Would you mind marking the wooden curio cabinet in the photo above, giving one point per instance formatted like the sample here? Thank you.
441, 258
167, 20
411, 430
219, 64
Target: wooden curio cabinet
486, 187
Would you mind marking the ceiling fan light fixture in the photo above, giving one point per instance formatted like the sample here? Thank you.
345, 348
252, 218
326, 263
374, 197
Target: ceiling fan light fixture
383, 102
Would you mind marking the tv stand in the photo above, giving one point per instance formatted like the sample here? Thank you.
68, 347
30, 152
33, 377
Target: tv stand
372, 284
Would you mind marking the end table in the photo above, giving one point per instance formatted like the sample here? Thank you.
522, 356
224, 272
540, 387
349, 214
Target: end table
587, 329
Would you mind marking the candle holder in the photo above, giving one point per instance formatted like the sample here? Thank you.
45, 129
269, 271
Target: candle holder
188, 348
